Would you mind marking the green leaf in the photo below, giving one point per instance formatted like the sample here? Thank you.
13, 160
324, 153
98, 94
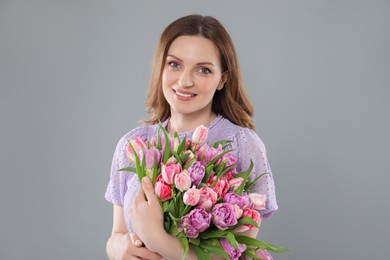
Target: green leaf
179, 161
213, 246
167, 148
184, 156
200, 253
182, 145
247, 220
170, 208
248, 185
216, 158
194, 241
155, 169
140, 171
189, 163
184, 247
245, 176
159, 136
251, 253
129, 169
232, 240
174, 219
249, 241
224, 144
213, 234
208, 171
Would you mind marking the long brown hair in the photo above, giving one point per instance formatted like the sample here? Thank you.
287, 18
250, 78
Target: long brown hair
231, 101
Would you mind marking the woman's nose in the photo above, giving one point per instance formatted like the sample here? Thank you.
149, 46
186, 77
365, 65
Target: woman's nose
185, 79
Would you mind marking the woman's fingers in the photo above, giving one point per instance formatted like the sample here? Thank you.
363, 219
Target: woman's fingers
148, 189
135, 240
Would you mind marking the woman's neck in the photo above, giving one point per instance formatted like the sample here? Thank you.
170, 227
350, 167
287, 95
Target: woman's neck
185, 123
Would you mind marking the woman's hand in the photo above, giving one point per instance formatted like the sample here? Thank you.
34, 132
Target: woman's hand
128, 246
146, 214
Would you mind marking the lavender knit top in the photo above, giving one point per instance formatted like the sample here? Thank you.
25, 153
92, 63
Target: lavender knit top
247, 145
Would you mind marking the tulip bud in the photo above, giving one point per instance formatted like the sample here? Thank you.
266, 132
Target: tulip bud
258, 200
200, 134
138, 145
183, 180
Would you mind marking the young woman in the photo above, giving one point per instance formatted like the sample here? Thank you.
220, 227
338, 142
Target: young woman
195, 80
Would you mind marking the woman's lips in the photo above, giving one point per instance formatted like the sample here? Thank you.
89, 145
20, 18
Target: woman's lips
184, 95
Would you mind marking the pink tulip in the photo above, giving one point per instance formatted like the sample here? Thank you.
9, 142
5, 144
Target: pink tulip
235, 183
238, 211
139, 145
175, 144
221, 187
258, 200
169, 171
191, 196
264, 254
162, 190
190, 156
208, 197
200, 135
253, 214
183, 180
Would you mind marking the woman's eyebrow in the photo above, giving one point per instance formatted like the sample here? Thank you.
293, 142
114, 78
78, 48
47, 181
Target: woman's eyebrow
199, 63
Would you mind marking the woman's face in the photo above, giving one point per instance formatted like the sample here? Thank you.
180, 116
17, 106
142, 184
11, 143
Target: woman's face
192, 73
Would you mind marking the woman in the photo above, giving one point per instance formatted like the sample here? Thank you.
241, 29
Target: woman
195, 80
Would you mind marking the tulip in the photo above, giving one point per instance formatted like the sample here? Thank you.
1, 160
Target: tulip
162, 190
169, 171
253, 214
208, 197
200, 135
236, 183
191, 196
258, 200
223, 215
183, 181
264, 255
233, 253
149, 157
139, 145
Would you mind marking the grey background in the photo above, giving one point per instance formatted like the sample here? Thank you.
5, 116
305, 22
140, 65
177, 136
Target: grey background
73, 77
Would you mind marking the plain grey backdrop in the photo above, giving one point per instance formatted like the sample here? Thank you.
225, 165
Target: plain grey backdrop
73, 77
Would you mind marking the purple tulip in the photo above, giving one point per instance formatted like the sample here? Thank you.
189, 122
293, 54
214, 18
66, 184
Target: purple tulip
149, 157
198, 220
197, 172
264, 254
230, 250
186, 225
224, 215
242, 201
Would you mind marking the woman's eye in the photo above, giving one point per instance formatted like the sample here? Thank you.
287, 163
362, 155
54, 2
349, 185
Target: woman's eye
173, 65
204, 71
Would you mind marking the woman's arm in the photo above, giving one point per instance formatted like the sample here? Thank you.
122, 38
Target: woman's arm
120, 245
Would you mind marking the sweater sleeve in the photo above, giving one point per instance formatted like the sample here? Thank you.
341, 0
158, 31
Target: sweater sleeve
117, 185
250, 147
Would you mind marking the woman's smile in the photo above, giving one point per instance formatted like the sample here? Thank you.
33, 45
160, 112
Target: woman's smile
184, 95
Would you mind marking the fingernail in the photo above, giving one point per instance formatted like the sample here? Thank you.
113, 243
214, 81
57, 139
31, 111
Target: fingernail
138, 242
146, 180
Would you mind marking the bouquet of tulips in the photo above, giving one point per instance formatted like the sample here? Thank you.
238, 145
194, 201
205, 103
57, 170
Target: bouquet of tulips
205, 201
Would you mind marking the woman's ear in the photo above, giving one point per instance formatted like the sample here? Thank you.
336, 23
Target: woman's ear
222, 81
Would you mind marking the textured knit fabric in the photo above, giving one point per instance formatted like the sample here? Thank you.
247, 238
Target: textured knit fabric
123, 185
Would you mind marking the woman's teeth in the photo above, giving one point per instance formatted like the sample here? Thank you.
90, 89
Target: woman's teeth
184, 95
